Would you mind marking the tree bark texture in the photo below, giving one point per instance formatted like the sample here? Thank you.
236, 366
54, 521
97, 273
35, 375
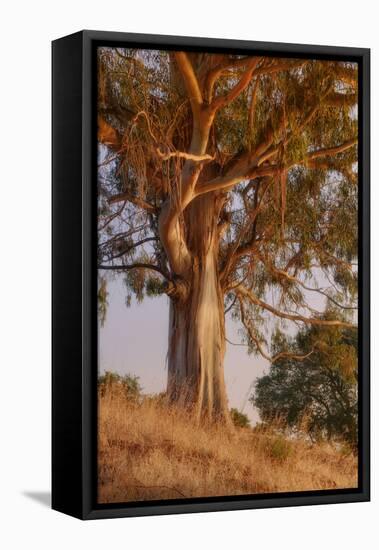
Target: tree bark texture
197, 325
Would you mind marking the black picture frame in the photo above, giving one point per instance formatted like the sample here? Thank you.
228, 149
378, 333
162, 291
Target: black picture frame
74, 313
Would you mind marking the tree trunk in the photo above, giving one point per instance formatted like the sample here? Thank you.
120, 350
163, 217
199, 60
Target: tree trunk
197, 325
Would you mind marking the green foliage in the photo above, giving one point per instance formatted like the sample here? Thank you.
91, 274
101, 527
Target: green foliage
154, 287
127, 384
317, 395
280, 449
134, 280
102, 300
240, 419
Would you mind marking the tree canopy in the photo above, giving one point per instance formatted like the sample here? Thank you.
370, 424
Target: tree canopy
319, 395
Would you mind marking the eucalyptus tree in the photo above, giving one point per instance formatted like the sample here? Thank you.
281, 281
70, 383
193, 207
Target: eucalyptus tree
229, 183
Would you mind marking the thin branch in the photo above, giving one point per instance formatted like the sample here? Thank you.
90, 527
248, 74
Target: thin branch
280, 67
346, 74
242, 84
245, 292
137, 265
340, 100
275, 169
217, 71
293, 279
124, 234
252, 106
236, 343
224, 183
182, 154
230, 307
265, 152
129, 58
270, 152
331, 151
146, 116
129, 248
111, 218
134, 200
327, 296
190, 81
112, 158
236, 250
271, 359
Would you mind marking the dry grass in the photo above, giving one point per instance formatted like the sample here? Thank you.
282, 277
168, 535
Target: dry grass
149, 451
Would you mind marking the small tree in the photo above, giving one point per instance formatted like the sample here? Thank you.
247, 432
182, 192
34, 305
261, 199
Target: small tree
128, 384
318, 394
240, 419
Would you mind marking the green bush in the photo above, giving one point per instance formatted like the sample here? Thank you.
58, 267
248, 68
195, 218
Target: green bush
280, 449
240, 419
113, 382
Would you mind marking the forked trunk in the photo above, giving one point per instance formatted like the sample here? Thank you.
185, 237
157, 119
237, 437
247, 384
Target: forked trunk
197, 326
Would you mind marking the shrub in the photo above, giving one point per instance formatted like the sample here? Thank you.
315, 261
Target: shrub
280, 449
128, 384
240, 419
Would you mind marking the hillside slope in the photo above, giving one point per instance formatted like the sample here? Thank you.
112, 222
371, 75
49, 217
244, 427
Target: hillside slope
150, 451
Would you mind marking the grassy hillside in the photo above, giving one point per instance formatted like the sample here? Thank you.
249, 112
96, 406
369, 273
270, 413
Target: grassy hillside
150, 451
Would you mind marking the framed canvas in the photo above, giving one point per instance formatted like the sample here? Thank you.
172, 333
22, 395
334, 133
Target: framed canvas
210, 275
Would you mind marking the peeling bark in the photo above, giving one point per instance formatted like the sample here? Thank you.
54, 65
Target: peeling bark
197, 326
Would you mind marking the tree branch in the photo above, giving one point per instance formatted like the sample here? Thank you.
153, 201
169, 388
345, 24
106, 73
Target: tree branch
137, 265
346, 74
252, 106
266, 150
341, 100
122, 197
280, 67
266, 153
289, 277
190, 81
170, 222
231, 305
133, 60
224, 183
110, 218
246, 293
318, 290
183, 155
217, 71
127, 249
274, 358
331, 151
242, 84
274, 169
236, 250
